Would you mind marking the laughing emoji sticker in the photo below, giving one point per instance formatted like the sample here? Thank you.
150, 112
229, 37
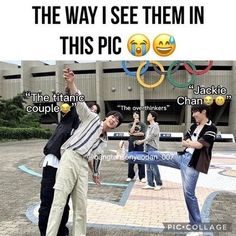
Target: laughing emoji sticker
138, 45
164, 45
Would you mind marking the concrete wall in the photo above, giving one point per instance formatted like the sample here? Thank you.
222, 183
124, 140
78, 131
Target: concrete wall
101, 86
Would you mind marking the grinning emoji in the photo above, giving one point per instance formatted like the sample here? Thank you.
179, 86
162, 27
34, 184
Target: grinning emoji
208, 100
65, 108
220, 100
164, 45
138, 45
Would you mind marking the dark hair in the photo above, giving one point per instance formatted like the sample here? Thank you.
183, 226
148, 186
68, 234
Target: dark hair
200, 108
136, 112
117, 114
154, 114
90, 104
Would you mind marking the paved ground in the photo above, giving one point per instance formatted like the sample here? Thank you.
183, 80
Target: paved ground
116, 208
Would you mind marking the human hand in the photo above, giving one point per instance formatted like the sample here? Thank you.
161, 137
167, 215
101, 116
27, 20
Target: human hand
69, 76
96, 179
185, 143
138, 142
136, 120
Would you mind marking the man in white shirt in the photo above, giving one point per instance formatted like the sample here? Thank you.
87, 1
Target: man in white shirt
69, 122
88, 141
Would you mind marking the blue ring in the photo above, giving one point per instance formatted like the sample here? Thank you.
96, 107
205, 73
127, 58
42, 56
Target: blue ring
133, 73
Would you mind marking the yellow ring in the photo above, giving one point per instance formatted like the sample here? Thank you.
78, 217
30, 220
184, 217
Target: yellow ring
141, 81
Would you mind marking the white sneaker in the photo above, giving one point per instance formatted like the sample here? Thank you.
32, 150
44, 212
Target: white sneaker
147, 187
158, 187
128, 179
143, 180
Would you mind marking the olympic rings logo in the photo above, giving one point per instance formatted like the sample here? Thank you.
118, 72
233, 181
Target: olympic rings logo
159, 69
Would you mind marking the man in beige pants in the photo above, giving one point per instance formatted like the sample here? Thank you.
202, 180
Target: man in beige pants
88, 141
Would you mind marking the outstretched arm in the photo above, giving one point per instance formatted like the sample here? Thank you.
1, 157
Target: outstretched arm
70, 80
82, 109
96, 175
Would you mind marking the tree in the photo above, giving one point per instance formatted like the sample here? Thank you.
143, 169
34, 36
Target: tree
13, 114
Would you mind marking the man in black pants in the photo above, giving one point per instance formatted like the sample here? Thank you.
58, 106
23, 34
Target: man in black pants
68, 123
137, 132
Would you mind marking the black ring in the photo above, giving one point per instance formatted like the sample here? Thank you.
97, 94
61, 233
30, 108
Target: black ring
164, 73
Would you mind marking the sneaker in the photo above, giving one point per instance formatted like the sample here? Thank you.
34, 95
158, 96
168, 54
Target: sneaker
147, 187
128, 179
158, 187
143, 180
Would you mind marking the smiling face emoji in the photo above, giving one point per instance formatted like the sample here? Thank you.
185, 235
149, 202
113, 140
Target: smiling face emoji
164, 45
208, 100
220, 100
138, 45
65, 108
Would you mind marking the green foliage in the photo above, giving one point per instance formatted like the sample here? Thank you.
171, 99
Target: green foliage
30, 120
13, 114
23, 133
16, 123
18, 101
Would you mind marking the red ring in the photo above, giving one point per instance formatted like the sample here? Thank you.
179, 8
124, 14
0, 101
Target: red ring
191, 71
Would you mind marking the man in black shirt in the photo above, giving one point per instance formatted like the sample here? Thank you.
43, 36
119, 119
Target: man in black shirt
69, 121
195, 158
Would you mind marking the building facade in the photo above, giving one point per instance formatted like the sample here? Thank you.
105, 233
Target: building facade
107, 84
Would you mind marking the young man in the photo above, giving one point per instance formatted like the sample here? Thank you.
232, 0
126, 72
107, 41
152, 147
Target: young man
88, 140
196, 157
94, 107
136, 132
152, 144
69, 122
52, 150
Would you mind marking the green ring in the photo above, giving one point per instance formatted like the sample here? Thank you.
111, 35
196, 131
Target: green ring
173, 82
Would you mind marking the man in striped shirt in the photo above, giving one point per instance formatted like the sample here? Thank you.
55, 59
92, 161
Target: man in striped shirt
88, 141
195, 158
